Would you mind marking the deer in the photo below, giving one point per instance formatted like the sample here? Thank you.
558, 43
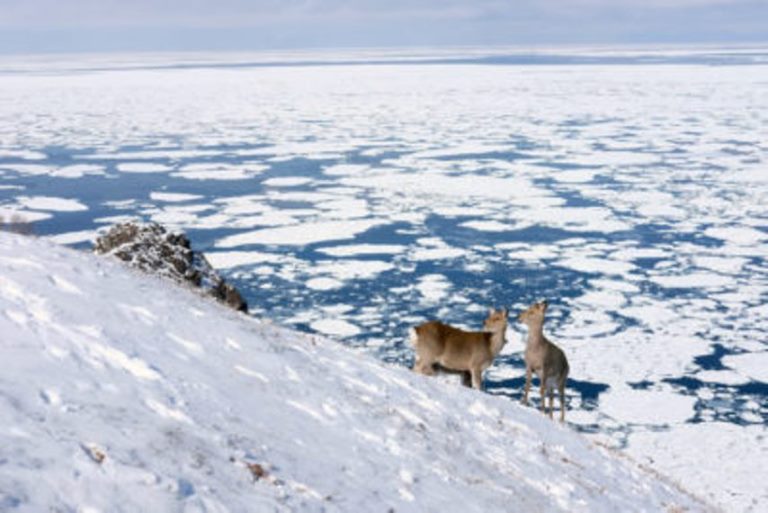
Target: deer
544, 358
453, 349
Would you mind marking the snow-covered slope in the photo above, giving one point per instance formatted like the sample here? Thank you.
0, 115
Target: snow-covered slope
124, 392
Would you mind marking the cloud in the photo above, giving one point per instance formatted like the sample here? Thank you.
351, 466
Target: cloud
112, 25
222, 13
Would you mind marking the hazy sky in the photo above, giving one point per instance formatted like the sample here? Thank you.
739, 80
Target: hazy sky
109, 25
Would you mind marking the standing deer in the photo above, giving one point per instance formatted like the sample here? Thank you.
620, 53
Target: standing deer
544, 358
457, 350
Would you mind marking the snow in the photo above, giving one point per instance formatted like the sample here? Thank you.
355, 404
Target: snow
229, 259
597, 265
587, 219
433, 287
427, 184
345, 170
335, 327
717, 456
750, 365
287, 181
324, 283
22, 154
173, 197
214, 171
725, 377
15, 214
433, 248
671, 182
78, 171
532, 252
732, 265
641, 407
52, 204
693, 280
351, 269
302, 234
488, 226
575, 176
74, 237
738, 235
123, 392
363, 249
29, 169
142, 167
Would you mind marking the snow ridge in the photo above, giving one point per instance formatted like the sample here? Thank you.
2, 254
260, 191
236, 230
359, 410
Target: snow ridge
121, 392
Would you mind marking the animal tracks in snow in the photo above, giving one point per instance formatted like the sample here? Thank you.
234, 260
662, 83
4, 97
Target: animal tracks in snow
65, 286
190, 345
139, 313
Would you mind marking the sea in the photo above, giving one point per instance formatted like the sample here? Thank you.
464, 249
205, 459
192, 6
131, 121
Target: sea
356, 193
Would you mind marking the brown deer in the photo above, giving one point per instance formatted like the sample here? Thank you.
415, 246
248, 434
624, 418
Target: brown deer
457, 350
544, 358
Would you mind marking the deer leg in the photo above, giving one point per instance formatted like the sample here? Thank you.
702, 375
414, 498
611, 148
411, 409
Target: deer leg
477, 378
466, 379
543, 390
423, 366
527, 385
551, 393
561, 388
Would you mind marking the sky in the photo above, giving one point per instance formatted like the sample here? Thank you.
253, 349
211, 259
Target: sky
42, 26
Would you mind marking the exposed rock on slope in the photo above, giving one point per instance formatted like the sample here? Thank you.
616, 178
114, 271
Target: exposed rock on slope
154, 249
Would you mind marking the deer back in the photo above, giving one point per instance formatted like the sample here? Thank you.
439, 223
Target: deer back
452, 347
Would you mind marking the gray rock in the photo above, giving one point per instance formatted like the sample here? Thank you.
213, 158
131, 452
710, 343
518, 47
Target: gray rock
154, 249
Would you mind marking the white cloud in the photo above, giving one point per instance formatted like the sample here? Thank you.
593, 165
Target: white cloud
41, 26
222, 13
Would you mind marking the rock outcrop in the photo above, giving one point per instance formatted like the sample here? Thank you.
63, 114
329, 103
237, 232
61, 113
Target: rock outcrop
154, 249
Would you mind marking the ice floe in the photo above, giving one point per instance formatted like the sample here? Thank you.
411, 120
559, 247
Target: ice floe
641, 217
22, 154
78, 171
598, 265
52, 204
363, 249
173, 197
287, 181
351, 269
14, 214
215, 171
324, 283
306, 233
751, 365
229, 259
335, 327
693, 280
647, 407
738, 235
433, 287
142, 167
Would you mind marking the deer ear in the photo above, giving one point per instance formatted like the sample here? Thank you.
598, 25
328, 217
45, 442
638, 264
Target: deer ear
505, 311
544, 304
491, 311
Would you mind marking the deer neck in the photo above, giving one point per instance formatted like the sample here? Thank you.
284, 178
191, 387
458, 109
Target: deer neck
535, 333
498, 339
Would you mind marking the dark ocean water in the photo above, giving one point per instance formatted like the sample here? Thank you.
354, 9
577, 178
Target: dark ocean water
372, 197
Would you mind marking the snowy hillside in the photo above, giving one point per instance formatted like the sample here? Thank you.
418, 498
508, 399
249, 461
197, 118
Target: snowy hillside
122, 392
